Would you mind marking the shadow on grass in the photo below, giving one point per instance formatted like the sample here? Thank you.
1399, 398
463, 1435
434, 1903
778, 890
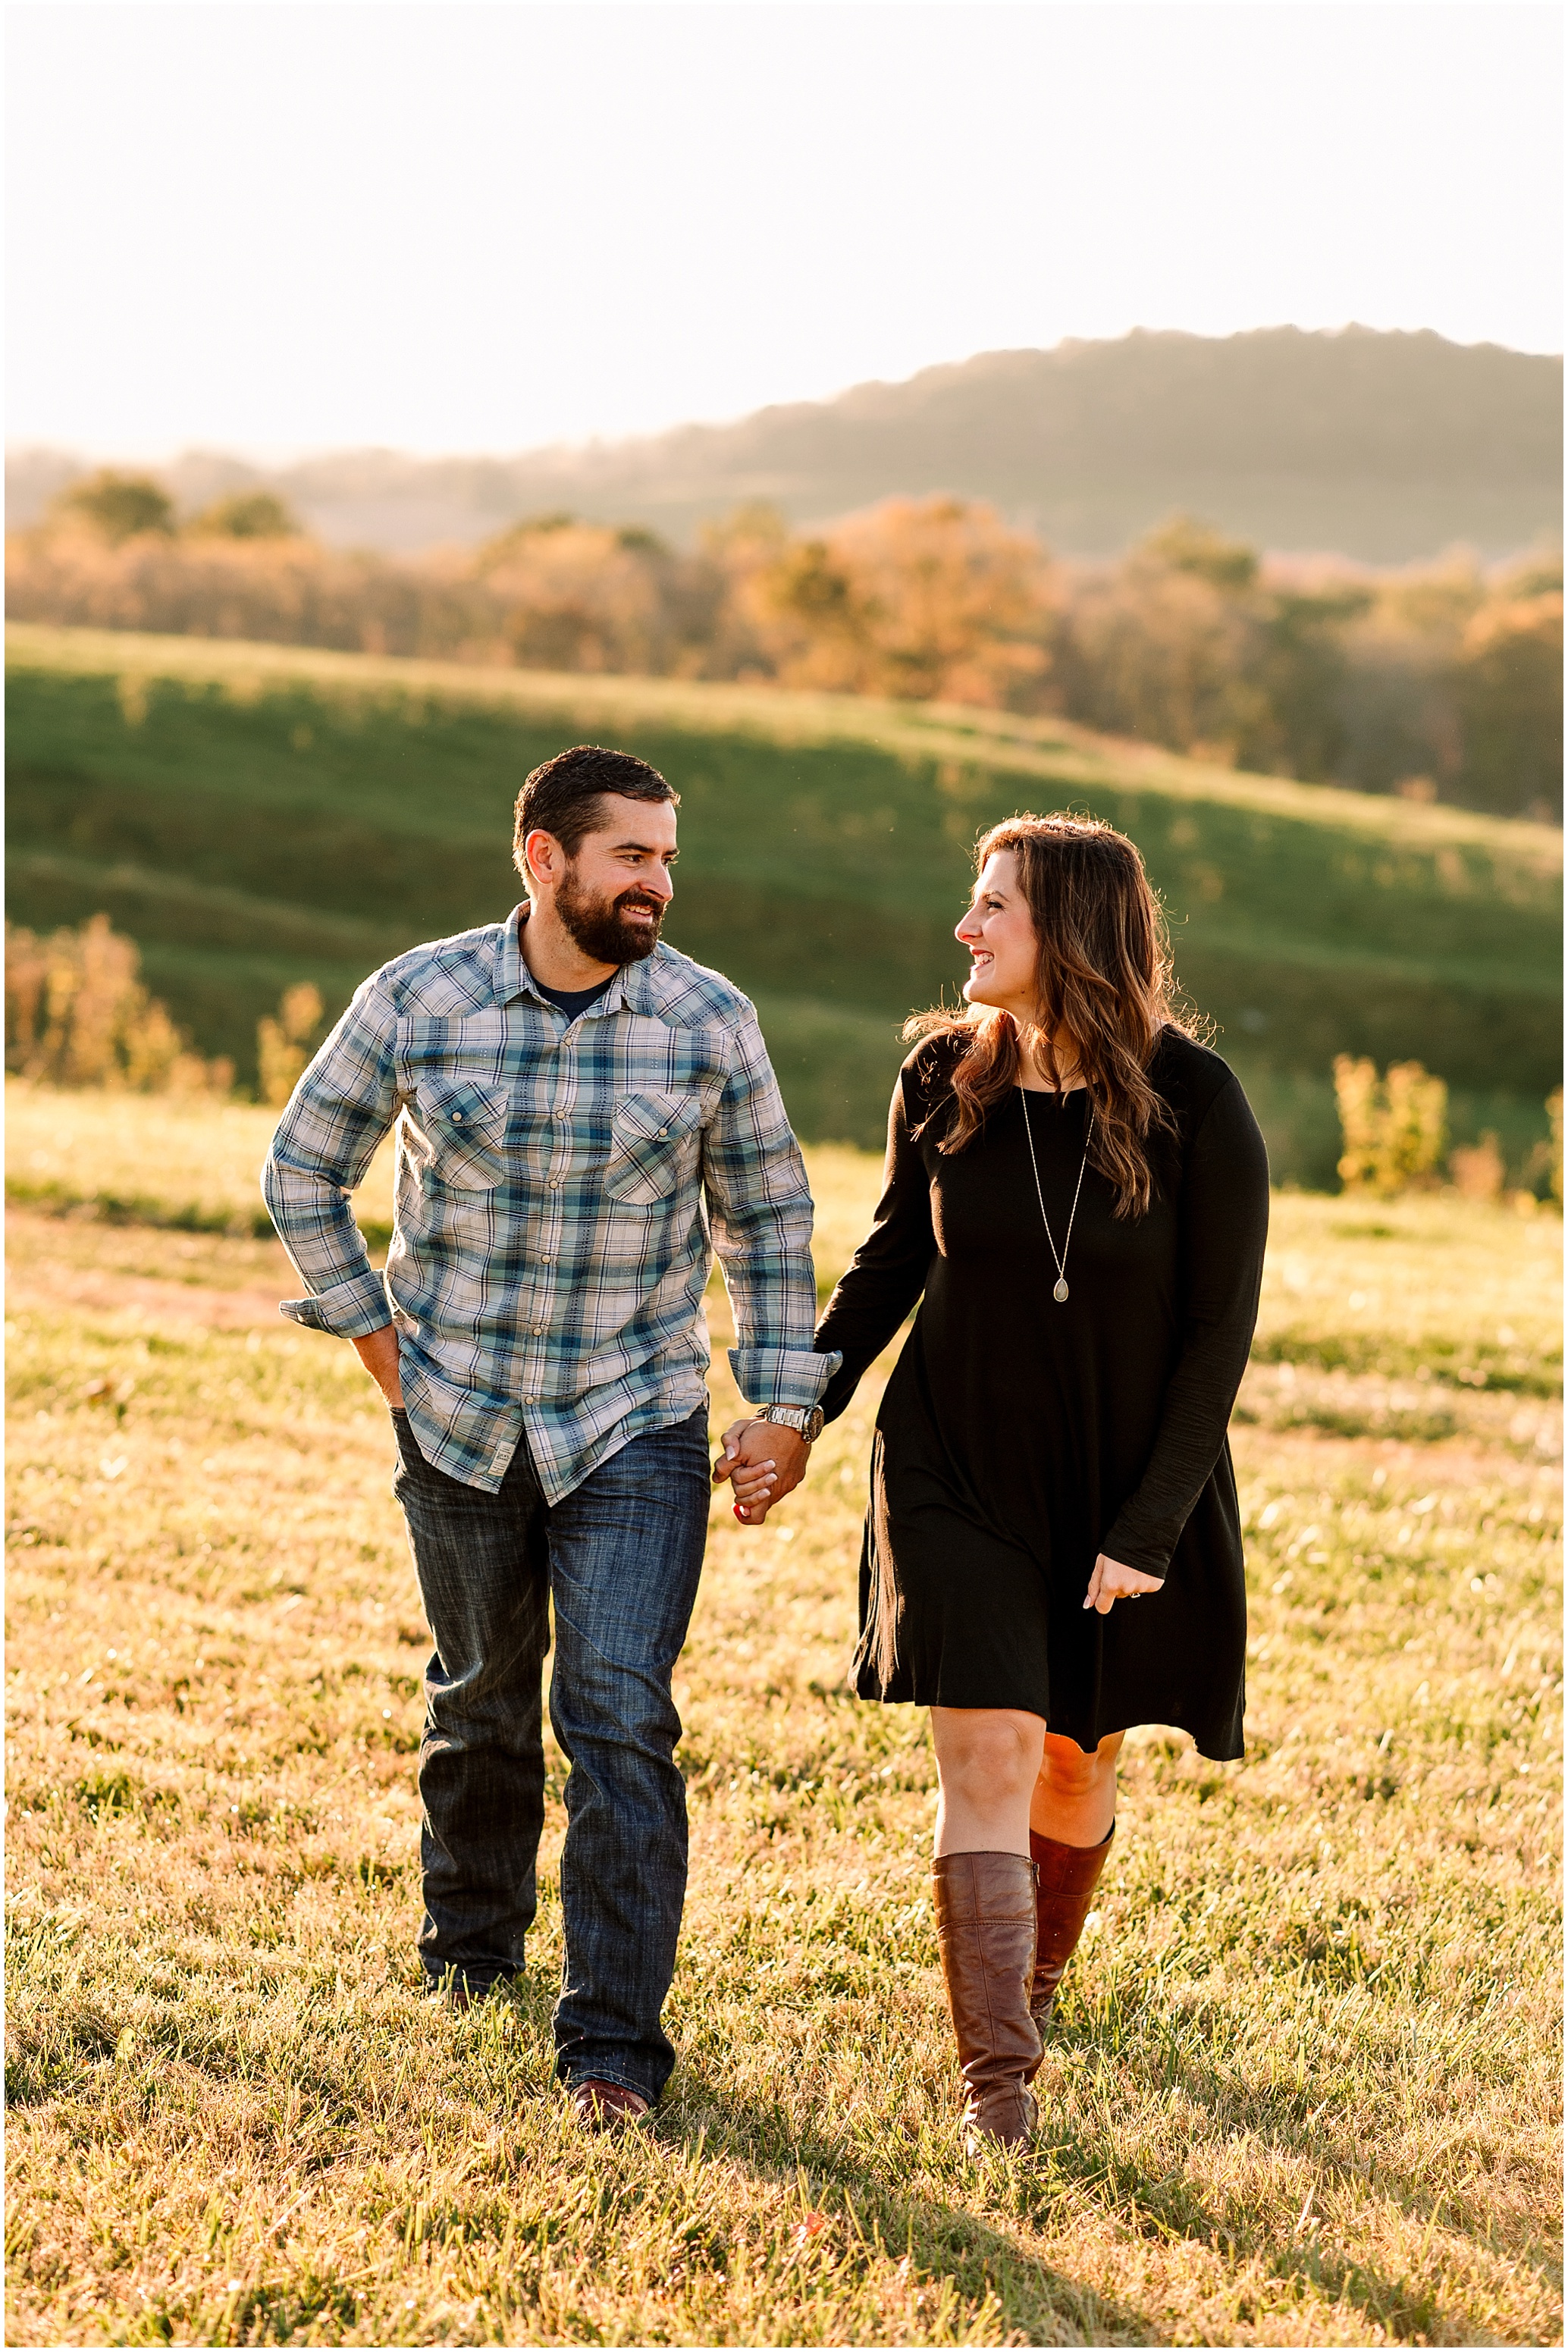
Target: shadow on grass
947, 2241
1170, 2209
949, 2248
954, 2231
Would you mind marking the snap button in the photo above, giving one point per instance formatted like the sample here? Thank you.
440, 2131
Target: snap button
662, 1133
456, 1119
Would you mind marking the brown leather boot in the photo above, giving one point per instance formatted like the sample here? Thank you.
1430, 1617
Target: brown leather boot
1066, 1878
985, 1933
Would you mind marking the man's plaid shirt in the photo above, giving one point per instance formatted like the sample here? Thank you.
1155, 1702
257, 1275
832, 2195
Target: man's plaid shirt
561, 1186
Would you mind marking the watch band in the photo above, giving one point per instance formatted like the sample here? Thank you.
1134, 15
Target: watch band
807, 1421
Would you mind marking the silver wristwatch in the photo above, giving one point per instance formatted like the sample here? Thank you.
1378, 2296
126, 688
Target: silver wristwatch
808, 1420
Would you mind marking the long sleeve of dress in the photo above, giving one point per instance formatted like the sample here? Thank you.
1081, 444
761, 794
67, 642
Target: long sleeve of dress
888, 1273
1225, 1225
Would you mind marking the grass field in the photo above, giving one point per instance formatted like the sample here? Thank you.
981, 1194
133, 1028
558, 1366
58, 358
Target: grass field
252, 816
1304, 2084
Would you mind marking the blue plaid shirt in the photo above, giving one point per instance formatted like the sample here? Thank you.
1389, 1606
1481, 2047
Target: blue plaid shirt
561, 1186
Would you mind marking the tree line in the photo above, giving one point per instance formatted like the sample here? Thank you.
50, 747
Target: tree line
1441, 681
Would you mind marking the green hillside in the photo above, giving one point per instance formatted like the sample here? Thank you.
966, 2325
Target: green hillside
254, 816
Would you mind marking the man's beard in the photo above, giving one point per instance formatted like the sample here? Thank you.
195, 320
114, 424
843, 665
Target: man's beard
599, 928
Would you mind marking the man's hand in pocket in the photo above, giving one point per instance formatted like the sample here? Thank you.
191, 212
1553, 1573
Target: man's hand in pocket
378, 1353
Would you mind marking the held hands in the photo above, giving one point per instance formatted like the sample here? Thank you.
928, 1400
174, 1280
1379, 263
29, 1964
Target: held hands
763, 1462
1111, 1583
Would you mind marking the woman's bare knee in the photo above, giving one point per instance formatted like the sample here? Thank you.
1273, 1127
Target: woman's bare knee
984, 1754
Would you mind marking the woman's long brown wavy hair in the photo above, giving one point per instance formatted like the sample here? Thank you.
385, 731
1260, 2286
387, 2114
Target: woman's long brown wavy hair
1103, 979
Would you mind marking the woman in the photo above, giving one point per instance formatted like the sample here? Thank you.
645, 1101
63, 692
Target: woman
1081, 1193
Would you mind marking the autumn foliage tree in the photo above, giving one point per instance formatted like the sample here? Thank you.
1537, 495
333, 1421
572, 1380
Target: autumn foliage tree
246, 514
77, 1014
922, 599
1508, 692
117, 506
1160, 647
584, 596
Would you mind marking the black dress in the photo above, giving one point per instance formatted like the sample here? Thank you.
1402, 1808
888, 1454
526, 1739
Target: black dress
1018, 1437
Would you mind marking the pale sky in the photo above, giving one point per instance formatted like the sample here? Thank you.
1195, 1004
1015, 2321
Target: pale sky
279, 227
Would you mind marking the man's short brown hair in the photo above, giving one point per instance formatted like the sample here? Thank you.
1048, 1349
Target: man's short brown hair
561, 797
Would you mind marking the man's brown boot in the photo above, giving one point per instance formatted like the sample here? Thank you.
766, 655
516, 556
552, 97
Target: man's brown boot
985, 1933
1066, 1878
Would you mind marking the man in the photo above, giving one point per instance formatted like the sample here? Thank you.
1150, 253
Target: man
582, 1116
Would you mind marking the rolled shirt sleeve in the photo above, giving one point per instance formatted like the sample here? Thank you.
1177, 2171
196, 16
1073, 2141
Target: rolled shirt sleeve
760, 1213
337, 1114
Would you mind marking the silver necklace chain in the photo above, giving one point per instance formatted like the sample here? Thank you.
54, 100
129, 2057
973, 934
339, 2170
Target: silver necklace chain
1059, 1292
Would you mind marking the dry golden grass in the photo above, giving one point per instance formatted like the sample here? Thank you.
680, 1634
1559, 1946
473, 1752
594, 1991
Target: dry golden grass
155, 1158
1303, 2087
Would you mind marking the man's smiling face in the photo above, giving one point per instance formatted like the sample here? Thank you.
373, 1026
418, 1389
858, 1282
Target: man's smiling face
612, 896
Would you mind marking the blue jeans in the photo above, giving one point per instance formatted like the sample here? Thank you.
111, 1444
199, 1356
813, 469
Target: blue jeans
620, 1556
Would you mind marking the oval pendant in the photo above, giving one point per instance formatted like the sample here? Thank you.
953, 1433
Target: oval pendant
1060, 1292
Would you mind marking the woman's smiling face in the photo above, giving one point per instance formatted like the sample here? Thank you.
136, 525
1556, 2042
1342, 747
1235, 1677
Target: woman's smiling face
999, 932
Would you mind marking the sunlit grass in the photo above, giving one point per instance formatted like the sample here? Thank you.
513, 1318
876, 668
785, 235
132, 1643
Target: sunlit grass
155, 1159
1303, 2087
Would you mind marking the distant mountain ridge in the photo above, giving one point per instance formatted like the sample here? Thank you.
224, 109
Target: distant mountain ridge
1385, 447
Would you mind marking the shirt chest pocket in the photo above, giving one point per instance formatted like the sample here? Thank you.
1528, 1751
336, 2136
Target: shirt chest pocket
655, 1141
462, 1128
